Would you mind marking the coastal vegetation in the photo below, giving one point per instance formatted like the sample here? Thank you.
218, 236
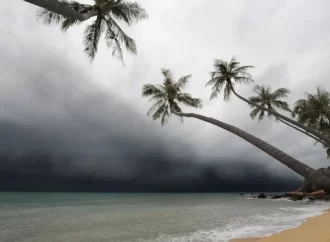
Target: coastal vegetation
105, 14
309, 116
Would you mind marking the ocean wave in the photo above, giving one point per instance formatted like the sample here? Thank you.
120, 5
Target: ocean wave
259, 225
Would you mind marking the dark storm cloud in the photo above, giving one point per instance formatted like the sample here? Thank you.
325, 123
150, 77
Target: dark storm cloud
60, 132
67, 124
68, 135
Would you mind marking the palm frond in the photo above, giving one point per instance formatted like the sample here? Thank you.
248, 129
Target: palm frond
157, 97
212, 81
227, 92
159, 112
257, 89
280, 93
129, 11
182, 82
155, 106
168, 75
219, 64
261, 115
243, 69
281, 105
243, 78
254, 113
149, 89
92, 37
255, 99
115, 36
165, 116
188, 100
69, 22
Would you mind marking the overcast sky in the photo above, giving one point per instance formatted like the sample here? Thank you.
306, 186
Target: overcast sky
56, 103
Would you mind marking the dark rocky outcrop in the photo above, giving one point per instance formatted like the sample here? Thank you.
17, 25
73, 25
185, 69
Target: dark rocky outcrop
277, 196
296, 198
262, 195
308, 186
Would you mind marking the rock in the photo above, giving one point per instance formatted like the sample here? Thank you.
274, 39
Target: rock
277, 196
309, 186
242, 194
296, 198
311, 198
262, 195
326, 197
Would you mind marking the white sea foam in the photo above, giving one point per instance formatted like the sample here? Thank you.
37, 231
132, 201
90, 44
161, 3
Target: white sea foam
257, 226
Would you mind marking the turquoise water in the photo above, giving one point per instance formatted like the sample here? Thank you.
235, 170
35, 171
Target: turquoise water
41, 217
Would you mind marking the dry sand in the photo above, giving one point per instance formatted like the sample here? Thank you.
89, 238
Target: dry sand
316, 229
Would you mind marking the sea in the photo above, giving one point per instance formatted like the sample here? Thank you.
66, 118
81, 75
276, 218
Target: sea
111, 217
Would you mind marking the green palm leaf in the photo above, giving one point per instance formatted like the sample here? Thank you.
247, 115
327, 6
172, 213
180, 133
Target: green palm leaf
92, 37
225, 75
166, 97
268, 99
108, 11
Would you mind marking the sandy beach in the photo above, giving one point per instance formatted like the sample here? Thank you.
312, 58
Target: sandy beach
315, 229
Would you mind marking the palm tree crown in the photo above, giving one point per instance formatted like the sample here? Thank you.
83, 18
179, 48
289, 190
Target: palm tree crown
314, 111
166, 97
268, 99
225, 75
106, 14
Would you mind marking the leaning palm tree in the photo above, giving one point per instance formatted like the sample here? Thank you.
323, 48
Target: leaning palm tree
105, 13
227, 74
272, 100
268, 99
166, 98
314, 111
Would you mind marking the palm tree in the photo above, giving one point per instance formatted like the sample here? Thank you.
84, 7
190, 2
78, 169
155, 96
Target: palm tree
315, 112
268, 99
227, 74
106, 13
63, 9
167, 98
271, 100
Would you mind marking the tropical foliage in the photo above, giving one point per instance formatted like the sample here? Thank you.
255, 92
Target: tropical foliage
268, 99
166, 97
314, 111
107, 13
225, 75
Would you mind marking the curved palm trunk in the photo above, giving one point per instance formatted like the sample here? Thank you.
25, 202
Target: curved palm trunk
291, 121
57, 7
301, 131
321, 181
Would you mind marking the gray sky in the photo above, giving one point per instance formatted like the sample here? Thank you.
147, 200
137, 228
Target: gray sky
50, 89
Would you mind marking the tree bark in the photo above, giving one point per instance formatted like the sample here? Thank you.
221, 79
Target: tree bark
291, 121
57, 7
301, 131
321, 181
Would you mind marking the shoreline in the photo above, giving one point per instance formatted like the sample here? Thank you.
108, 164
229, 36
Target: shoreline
313, 229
